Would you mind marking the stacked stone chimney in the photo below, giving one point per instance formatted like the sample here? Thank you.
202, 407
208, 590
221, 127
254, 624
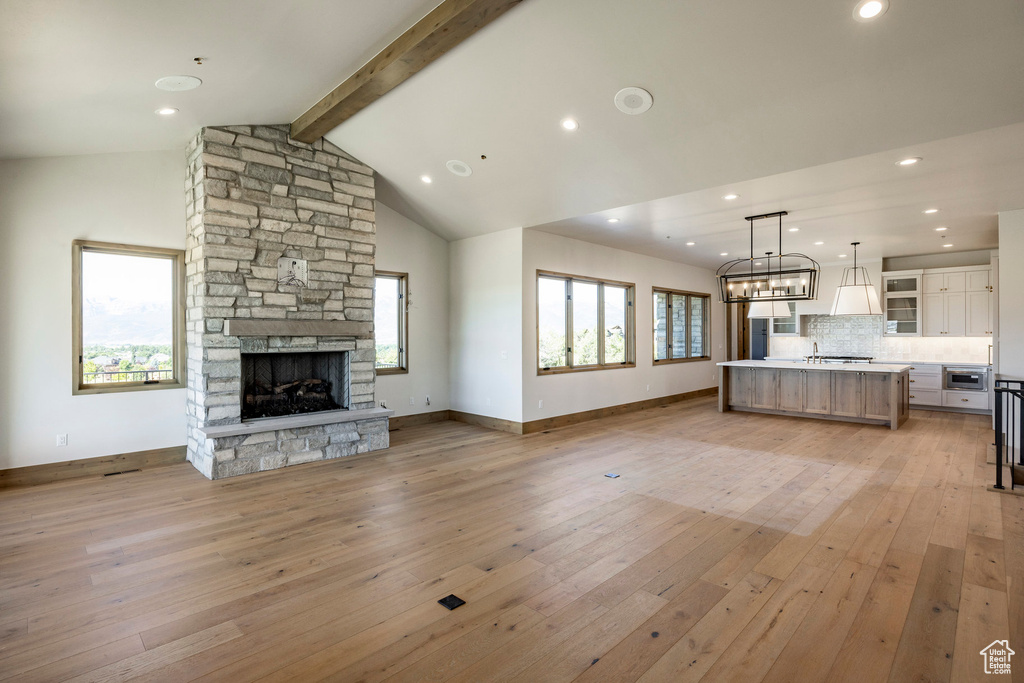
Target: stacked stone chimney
255, 196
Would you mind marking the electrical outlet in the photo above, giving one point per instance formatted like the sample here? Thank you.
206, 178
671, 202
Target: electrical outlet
504, 355
487, 401
412, 401
428, 399
648, 388
383, 405
540, 403
62, 439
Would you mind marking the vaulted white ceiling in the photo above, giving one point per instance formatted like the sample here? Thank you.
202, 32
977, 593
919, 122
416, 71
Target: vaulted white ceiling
790, 103
77, 77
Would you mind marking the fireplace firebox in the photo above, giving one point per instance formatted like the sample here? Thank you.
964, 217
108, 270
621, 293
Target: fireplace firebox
279, 384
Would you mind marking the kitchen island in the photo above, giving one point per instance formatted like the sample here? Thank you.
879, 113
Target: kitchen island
867, 393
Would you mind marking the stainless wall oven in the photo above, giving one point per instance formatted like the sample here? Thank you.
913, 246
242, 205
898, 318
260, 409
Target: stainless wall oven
969, 379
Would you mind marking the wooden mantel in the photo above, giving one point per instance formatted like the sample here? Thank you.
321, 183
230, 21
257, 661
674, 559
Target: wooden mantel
443, 28
297, 328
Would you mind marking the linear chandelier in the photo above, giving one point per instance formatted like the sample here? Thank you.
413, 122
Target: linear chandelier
786, 276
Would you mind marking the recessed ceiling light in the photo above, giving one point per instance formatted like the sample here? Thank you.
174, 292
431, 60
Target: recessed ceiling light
178, 83
867, 10
166, 111
942, 229
794, 229
947, 245
459, 168
909, 161
570, 124
613, 220
758, 263
730, 197
842, 256
818, 244
690, 244
724, 253
427, 179
930, 211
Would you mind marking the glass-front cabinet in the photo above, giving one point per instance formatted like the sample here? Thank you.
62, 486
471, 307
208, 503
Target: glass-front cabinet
788, 326
901, 301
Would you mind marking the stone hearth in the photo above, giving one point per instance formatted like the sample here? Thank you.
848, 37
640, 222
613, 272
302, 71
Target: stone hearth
255, 196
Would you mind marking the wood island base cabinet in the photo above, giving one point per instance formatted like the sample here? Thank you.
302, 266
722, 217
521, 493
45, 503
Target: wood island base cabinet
848, 395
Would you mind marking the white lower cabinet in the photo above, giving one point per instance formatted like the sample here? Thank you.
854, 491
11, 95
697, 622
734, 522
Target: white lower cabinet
925, 397
926, 390
925, 385
973, 400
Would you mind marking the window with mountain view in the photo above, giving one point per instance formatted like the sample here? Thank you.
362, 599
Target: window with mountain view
583, 323
389, 322
127, 317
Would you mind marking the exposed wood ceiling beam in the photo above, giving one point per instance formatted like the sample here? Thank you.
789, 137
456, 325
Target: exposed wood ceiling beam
443, 28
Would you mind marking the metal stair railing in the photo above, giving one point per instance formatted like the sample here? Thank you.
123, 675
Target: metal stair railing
1009, 427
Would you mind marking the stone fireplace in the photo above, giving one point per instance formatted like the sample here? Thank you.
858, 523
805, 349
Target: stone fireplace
279, 299
282, 384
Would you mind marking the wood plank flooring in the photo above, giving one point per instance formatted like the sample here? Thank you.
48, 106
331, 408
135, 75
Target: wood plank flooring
736, 547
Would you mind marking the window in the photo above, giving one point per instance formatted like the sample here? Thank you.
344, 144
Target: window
583, 323
681, 322
390, 322
128, 318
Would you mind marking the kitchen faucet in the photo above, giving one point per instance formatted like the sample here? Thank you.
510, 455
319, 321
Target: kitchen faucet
814, 353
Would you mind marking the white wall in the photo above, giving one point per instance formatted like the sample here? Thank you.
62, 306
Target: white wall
576, 392
406, 247
980, 257
486, 322
44, 205
1011, 294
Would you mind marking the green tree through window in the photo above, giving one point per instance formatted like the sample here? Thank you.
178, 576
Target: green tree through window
583, 323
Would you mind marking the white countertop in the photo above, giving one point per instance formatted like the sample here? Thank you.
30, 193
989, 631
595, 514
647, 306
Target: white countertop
798, 365
950, 363
947, 363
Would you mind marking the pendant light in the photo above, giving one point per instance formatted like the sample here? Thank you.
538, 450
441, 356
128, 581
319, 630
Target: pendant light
768, 303
856, 295
788, 277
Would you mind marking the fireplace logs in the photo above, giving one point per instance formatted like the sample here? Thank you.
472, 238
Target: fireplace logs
289, 398
277, 384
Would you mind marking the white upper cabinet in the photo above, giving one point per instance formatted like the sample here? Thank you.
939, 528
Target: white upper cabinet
978, 281
788, 326
934, 315
946, 282
901, 303
979, 314
957, 302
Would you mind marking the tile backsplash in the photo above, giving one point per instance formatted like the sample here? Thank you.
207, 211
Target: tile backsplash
857, 335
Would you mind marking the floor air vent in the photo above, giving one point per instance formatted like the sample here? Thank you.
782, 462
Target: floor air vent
111, 474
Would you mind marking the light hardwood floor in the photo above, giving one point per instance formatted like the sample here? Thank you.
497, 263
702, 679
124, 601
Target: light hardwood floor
736, 547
